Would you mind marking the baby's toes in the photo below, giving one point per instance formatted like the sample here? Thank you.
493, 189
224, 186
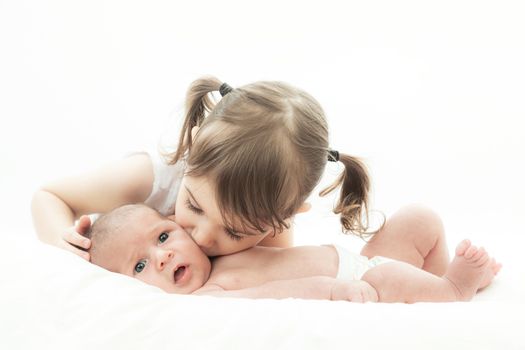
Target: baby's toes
470, 252
495, 266
481, 257
462, 247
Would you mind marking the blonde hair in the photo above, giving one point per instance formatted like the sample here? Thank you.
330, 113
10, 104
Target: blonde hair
265, 147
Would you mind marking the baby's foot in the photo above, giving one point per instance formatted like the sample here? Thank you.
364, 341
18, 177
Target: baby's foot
468, 269
490, 273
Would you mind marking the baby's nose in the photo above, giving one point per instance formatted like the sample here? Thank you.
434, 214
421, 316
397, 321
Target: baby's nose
163, 258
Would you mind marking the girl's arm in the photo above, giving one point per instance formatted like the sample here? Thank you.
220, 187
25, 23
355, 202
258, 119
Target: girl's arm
57, 205
316, 287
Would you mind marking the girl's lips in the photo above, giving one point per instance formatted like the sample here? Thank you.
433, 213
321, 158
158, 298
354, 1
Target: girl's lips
181, 274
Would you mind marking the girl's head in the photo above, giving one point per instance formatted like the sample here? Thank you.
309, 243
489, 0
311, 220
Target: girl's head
262, 149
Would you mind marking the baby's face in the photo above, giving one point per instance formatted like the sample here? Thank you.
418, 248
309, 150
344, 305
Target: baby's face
157, 251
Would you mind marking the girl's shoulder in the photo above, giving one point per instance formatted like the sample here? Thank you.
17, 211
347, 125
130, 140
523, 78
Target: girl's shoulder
166, 182
162, 170
166, 174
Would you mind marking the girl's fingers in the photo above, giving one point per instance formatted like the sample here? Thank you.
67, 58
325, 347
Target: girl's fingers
83, 224
75, 238
84, 255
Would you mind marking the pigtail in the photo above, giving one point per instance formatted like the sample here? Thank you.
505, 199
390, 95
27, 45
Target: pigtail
198, 104
353, 201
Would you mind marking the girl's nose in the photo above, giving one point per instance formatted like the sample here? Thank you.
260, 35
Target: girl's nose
163, 258
205, 240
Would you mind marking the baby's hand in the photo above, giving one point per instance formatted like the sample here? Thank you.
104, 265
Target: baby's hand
355, 291
73, 238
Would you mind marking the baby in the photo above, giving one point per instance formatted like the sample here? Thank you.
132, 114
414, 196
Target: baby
137, 241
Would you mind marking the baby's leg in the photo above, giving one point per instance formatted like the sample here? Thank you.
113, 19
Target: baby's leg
402, 282
414, 235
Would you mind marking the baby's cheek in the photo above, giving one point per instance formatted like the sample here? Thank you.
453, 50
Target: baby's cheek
150, 279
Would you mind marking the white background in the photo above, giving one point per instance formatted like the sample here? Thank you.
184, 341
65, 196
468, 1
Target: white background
430, 94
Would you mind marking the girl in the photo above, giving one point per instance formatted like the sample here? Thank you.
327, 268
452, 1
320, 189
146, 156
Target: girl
242, 169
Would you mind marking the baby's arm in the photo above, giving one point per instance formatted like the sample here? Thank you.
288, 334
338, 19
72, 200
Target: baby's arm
57, 205
316, 287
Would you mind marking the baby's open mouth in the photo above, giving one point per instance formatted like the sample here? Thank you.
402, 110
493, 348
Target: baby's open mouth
179, 273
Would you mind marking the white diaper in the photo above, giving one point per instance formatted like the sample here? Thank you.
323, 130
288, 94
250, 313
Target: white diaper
353, 266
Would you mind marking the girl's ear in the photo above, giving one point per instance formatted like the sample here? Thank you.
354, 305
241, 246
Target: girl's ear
304, 208
194, 132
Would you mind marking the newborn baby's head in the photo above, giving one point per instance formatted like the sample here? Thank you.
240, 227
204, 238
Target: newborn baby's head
137, 241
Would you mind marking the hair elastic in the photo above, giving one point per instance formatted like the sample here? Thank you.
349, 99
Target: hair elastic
333, 155
225, 89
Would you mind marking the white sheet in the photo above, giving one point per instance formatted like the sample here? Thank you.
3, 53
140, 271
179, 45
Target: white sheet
52, 299
429, 93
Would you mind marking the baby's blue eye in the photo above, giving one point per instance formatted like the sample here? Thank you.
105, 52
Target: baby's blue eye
141, 265
163, 237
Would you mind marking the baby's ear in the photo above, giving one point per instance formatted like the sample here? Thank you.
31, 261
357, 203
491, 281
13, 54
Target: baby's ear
304, 208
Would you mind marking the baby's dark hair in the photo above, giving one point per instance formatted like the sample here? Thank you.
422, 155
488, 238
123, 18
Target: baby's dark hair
265, 147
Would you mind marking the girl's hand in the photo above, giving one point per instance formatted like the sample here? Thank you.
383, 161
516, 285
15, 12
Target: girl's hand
355, 291
73, 238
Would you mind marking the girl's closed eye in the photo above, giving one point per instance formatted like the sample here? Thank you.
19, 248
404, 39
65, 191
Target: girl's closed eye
193, 208
233, 235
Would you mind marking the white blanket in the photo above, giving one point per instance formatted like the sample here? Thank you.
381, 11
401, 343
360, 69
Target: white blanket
430, 94
53, 299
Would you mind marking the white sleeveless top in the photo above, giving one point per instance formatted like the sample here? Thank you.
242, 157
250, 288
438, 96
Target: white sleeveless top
166, 185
